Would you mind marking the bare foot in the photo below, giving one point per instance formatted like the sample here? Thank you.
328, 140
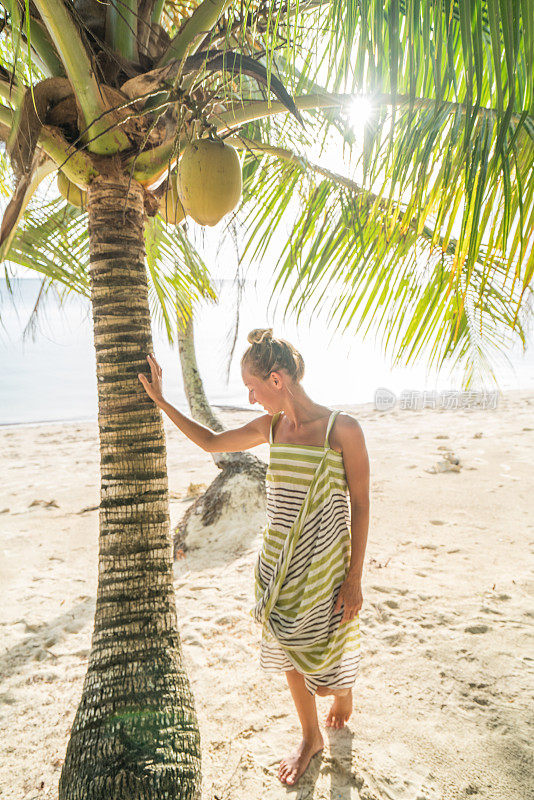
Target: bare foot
292, 767
340, 710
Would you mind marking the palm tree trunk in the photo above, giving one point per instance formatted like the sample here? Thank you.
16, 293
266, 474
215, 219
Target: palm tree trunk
241, 482
196, 396
135, 732
193, 386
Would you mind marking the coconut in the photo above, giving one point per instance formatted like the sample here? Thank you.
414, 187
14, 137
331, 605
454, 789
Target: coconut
209, 180
170, 209
72, 193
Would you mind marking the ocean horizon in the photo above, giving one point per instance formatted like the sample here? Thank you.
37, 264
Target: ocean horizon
50, 376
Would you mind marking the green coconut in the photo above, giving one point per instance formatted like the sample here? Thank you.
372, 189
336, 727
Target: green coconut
72, 193
209, 180
170, 208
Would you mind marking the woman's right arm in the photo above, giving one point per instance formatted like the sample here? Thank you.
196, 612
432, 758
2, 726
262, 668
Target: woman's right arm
253, 433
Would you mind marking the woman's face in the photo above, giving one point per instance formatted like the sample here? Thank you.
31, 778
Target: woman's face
262, 391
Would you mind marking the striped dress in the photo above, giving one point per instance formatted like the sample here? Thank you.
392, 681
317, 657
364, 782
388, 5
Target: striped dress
301, 565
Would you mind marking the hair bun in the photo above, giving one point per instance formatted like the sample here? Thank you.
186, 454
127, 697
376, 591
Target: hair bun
259, 335
267, 354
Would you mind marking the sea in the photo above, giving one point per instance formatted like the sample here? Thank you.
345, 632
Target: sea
49, 374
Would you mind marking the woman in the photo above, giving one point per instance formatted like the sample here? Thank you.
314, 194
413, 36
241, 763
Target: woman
308, 572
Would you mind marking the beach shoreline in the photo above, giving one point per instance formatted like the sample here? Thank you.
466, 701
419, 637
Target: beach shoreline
94, 418
441, 700
354, 408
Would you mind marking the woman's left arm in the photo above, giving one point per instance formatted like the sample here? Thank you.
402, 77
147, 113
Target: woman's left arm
356, 460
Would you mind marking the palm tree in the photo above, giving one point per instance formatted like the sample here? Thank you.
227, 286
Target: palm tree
53, 242
430, 238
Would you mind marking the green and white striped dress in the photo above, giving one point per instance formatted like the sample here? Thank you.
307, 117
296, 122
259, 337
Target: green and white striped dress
302, 563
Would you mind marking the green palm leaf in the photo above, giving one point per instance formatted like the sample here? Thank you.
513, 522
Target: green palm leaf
445, 173
54, 242
369, 266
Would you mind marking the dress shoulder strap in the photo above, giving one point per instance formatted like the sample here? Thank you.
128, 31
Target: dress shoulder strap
273, 420
329, 426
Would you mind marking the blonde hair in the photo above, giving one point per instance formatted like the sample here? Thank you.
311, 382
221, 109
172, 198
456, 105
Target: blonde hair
267, 354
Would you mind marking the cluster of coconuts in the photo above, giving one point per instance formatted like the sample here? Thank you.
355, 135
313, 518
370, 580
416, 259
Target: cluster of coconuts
206, 187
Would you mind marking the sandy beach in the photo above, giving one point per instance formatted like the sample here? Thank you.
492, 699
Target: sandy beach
443, 700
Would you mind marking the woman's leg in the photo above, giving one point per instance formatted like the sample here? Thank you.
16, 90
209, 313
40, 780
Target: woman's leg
341, 708
292, 767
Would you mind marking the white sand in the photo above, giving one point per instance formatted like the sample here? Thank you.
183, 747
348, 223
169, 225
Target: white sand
441, 702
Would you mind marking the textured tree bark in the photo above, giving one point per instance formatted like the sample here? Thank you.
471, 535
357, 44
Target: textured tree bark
135, 733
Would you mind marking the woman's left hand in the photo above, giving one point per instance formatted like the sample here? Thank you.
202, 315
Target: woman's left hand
350, 596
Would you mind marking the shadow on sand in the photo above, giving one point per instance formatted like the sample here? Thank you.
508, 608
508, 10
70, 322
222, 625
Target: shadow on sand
46, 635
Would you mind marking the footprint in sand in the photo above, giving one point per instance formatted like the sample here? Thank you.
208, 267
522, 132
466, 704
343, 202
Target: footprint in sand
489, 610
476, 629
75, 626
393, 639
380, 614
467, 656
45, 503
389, 589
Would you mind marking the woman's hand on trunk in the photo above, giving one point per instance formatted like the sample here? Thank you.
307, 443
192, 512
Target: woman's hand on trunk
153, 388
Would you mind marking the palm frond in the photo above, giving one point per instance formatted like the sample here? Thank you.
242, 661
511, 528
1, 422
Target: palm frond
54, 242
178, 277
365, 263
436, 203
